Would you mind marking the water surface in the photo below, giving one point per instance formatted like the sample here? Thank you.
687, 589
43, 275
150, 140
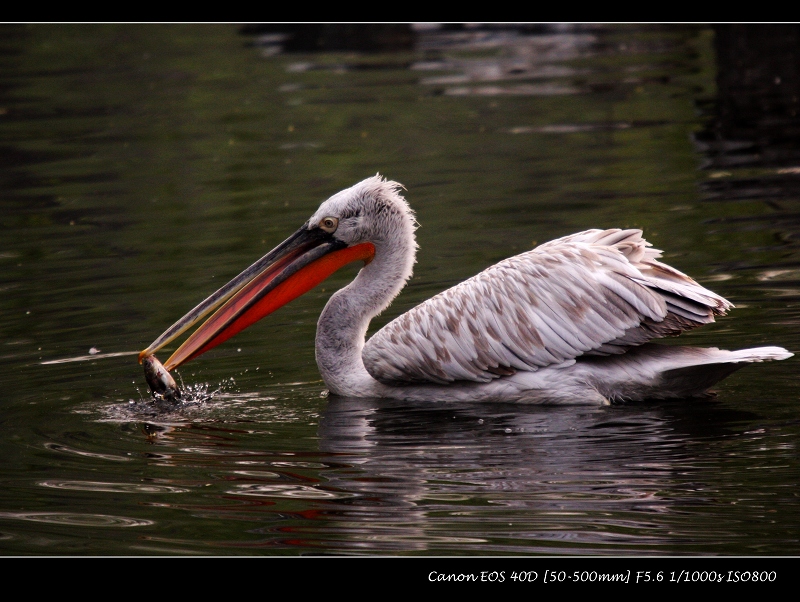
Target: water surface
145, 165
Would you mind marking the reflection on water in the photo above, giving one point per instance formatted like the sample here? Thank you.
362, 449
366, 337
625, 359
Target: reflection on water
145, 165
534, 478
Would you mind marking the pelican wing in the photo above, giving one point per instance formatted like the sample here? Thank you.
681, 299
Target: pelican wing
597, 292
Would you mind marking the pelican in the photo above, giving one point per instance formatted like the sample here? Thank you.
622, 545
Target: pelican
569, 322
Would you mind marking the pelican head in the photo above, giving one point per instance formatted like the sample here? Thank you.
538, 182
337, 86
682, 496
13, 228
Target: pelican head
371, 211
351, 225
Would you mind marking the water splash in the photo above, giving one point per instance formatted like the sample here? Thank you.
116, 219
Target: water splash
190, 395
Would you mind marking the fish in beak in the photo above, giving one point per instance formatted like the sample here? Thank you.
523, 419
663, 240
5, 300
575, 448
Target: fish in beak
291, 269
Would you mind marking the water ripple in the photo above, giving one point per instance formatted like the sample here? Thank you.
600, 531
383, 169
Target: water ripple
290, 491
79, 452
112, 487
78, 519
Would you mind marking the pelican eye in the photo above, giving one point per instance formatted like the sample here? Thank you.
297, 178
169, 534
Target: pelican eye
329, 224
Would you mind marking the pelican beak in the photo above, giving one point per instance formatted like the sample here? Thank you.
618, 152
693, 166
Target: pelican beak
291, 269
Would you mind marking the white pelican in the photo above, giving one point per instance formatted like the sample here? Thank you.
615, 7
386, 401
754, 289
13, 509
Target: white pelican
567, 322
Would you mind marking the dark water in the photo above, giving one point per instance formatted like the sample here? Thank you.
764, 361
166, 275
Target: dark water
143, 166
